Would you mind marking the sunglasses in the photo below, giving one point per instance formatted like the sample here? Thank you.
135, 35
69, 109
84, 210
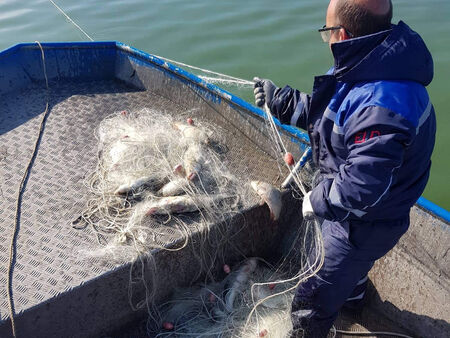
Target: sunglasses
325, 32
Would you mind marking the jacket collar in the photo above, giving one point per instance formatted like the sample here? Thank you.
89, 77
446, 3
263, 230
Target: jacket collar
349, 53
398, 54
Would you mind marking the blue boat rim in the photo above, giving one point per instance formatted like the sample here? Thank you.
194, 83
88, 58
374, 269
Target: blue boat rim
227, 96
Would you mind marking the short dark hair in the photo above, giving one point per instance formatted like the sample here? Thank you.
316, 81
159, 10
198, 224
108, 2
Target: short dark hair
359, 21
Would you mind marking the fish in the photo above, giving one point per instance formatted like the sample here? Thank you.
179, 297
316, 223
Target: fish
171, 205
239, 282
192, 133
153, 183
185, 304
269, 195
271, 297
194, 159
182, 204
179, 170
174, 188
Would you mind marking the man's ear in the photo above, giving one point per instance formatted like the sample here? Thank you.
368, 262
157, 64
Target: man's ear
343, 35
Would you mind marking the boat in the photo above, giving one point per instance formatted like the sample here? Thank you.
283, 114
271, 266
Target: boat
57, 294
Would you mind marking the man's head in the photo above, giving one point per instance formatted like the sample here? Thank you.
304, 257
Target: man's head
358, 18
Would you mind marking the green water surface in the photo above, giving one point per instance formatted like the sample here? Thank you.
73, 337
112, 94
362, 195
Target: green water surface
276, 40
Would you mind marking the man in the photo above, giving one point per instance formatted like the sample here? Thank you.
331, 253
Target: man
372, 127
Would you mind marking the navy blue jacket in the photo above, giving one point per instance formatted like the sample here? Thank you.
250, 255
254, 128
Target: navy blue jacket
371, 125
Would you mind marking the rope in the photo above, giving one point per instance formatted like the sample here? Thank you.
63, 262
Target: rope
71, 21
283, 150
12, 247
238, 82
371, 334
229, 77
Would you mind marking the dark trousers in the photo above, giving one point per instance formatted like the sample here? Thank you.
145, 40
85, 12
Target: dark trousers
351, 248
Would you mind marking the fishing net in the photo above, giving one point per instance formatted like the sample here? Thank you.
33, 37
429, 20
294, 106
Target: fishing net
161, 179
221, 309
158, 180
254, 300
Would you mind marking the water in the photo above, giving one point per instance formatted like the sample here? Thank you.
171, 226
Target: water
240, 38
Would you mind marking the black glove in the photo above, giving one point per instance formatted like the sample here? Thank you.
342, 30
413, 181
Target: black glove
264, 91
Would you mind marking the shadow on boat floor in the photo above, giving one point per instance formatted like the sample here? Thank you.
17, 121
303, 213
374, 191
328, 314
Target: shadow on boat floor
368, 320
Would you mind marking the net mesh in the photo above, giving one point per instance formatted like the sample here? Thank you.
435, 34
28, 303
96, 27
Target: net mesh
254, 300
157, 180
161, 178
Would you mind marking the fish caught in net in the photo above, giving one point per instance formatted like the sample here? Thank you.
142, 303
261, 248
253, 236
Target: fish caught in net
158, 181
252, 300
152, 171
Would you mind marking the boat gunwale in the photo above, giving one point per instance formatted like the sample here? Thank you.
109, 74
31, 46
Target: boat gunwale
300, 136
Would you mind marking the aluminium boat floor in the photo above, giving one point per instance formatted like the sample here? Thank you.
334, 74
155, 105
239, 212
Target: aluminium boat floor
51, 255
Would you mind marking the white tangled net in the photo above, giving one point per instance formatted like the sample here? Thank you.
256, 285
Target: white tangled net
152, 171
158, 181
252, 300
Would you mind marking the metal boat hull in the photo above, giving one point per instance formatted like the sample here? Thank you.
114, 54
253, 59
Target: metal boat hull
58, 294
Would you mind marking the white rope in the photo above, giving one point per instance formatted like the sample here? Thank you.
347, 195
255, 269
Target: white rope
71, 21
370, 333
215, 79
282, 149
229, 77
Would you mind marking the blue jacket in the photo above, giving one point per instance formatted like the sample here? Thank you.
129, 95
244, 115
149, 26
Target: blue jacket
371, 125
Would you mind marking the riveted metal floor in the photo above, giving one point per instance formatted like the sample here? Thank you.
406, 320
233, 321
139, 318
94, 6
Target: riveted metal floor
51, 263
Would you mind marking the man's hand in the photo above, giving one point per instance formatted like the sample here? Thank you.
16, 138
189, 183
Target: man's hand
264, 90
307, 210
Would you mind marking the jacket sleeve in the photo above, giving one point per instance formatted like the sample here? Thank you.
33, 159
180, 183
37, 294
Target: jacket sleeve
376, 139
290, 106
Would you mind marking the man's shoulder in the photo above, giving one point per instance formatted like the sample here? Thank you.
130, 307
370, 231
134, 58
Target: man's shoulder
386, 92
406, 98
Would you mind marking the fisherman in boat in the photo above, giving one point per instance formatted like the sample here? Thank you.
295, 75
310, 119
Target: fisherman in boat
372, 130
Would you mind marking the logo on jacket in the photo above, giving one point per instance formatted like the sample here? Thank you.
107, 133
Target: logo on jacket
363, 136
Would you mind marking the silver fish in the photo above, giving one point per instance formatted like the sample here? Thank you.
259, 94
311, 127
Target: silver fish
151, 182
171, 205
194, 159
239, 282
192, 133
174, 188
183, 204
272, 296
269, 195
179, 170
